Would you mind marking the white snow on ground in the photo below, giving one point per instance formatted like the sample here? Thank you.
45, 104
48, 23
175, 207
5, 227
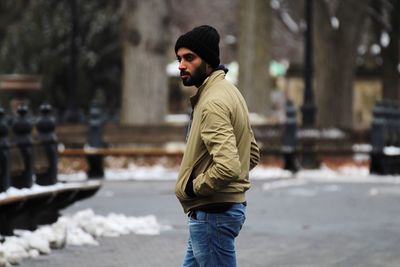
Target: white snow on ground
82, 228
132, 172
158, 172
347, 174
141, 173
276, 177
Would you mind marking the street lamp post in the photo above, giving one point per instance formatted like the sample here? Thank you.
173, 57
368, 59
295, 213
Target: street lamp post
308, 159
308, 108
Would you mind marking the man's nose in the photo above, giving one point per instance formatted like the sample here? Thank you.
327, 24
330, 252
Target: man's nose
182, 65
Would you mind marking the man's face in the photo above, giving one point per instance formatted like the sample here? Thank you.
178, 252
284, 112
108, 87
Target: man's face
193, 69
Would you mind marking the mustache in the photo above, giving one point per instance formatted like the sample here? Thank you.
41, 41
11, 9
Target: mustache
185, 73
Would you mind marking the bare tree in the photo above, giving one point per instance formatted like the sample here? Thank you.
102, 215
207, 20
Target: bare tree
337, 32
254, 54
145, 40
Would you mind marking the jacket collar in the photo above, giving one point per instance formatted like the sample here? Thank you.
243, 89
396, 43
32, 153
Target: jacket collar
214, 76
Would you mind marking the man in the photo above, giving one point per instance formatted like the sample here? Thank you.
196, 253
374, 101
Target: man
220, 152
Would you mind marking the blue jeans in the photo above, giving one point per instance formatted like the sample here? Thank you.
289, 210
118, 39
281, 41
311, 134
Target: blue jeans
212, 237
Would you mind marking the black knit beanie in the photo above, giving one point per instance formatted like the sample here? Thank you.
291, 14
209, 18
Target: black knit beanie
204, 41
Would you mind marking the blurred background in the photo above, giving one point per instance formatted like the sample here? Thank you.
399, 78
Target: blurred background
102, 99
120, 55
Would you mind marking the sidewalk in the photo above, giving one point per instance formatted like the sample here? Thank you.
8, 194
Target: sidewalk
285, 227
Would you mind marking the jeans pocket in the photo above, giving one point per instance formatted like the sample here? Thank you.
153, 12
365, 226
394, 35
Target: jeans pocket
229, 224
227, 232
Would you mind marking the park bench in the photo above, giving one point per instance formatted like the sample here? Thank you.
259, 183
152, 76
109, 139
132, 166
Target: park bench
29, 163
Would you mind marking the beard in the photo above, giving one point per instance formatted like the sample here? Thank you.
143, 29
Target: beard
197, 77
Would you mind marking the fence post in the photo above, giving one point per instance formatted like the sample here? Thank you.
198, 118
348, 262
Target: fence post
396, 128
377, 165
46, 135
391, 130
289, 139
95, 140
4, 154
22, 129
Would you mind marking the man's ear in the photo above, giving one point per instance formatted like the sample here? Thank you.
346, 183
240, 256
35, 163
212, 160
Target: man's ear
209, 69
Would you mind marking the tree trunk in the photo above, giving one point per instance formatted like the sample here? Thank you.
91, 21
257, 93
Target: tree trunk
253, 54
390, 56
335, 55
144, 82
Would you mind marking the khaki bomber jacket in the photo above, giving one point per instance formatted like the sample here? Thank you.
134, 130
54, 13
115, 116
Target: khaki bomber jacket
221, 148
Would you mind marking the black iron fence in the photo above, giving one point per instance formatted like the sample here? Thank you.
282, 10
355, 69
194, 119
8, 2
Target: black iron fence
28, 149
297, 147
29, 156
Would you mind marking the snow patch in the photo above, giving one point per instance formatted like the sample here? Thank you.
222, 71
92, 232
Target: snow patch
345, 174
82, 228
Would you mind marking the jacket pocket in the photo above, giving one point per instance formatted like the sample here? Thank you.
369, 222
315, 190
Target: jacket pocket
189, 186
181, 184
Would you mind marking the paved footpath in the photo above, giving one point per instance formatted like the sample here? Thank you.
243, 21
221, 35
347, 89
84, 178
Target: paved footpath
307, 225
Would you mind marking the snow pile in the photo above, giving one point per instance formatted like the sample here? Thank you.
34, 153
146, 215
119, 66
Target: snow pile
345, 174
83, 228
267, 173
115, 225
134, 172
72, 177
